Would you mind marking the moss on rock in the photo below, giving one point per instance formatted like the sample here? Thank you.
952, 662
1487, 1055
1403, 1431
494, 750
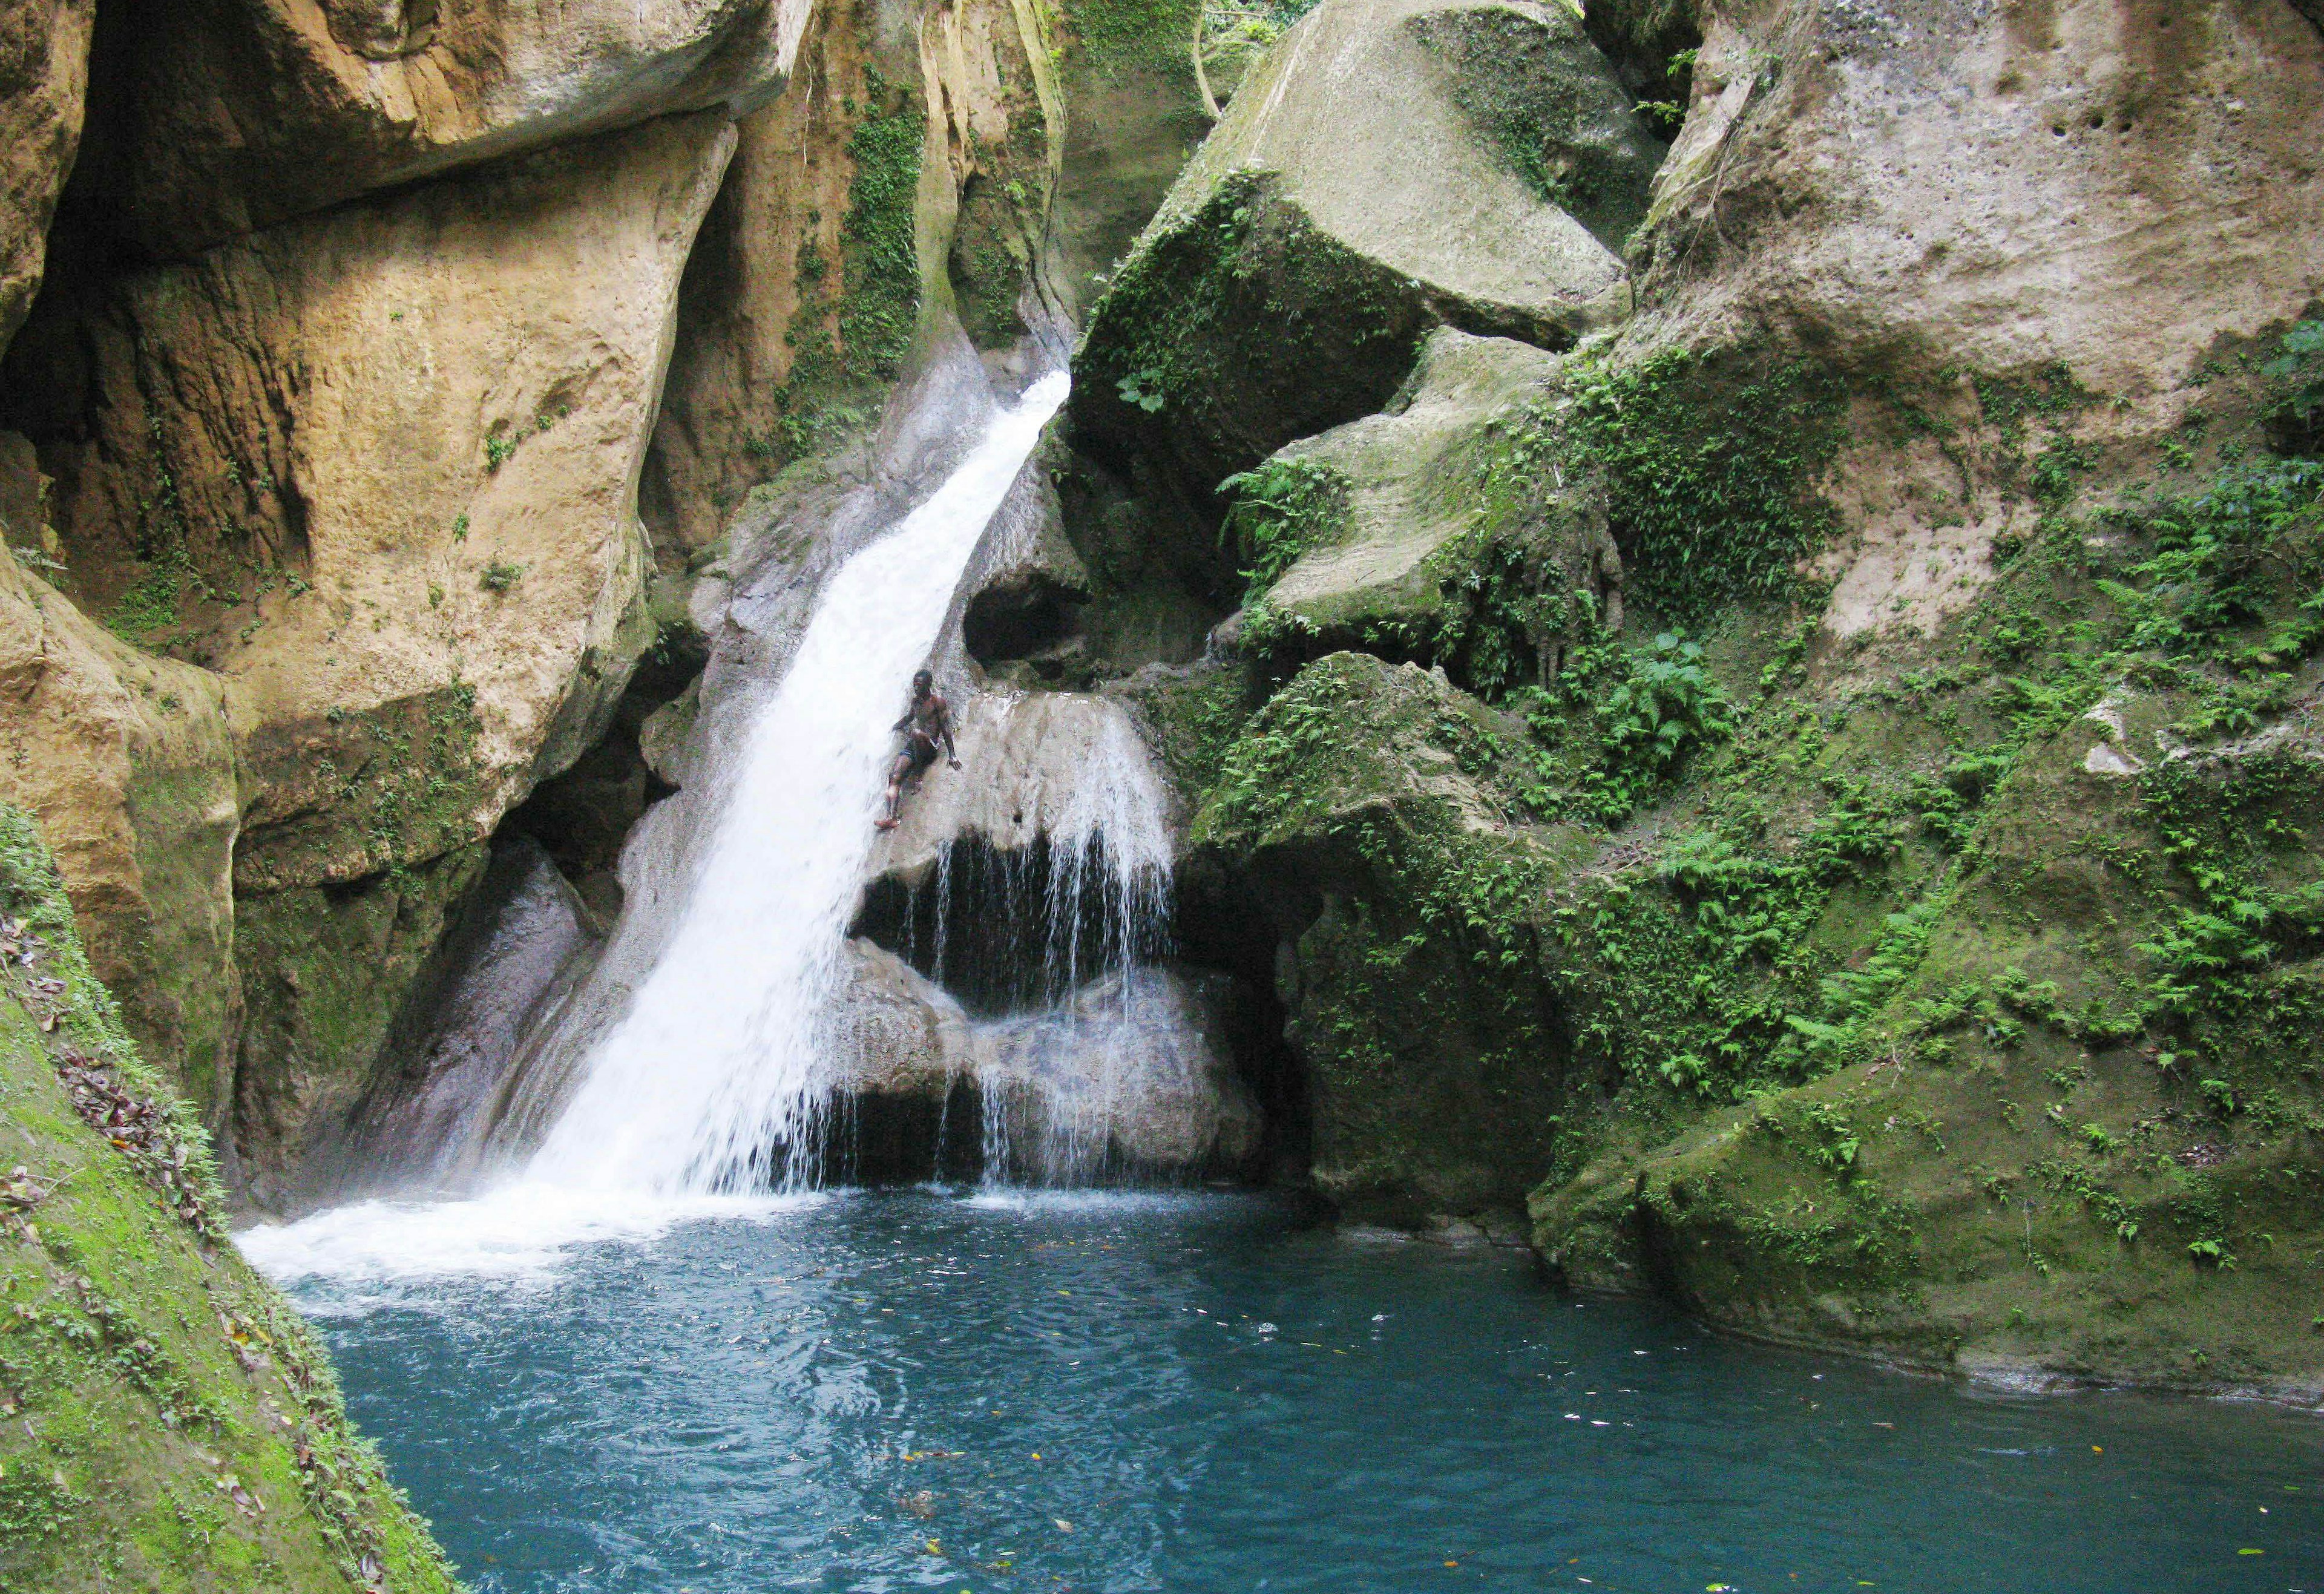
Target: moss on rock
1328, 223
1364, 806
171, 1423
327, 973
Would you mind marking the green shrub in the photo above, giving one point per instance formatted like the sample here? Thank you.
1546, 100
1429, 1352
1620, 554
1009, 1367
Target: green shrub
2300, 369
1650, 708
1280, 510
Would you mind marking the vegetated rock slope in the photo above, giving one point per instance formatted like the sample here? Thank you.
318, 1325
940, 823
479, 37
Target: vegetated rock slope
1812, 790
170, 1424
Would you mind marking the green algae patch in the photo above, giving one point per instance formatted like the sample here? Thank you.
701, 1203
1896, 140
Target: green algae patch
168, 1422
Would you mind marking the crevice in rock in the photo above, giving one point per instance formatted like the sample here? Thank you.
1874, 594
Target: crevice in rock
1002, 929
1221, 925
1035, 621
582, 816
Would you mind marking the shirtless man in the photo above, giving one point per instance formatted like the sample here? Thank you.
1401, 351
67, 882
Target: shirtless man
928, 718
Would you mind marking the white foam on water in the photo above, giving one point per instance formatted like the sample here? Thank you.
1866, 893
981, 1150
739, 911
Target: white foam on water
520, 1233
1089, 1202
716, 1065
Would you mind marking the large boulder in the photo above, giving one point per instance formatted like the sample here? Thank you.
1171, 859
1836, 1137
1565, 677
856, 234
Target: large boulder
44, 80
1364, 818
1425, 496
1391, 166
1059, 767
219, 117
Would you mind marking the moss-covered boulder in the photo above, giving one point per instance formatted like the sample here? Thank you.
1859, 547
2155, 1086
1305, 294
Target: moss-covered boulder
1365, 812
170, 1425
1390, 166
1386, 530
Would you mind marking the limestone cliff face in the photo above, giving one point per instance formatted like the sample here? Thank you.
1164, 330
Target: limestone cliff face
2107, 188
231, 115
370, 479
2110, 183
1822, 903
910, 169
43, 79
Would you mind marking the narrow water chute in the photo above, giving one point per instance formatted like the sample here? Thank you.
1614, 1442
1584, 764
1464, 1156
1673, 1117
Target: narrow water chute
713, 1070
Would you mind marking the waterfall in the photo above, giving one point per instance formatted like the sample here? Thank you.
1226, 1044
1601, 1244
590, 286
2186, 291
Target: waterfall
714, 1070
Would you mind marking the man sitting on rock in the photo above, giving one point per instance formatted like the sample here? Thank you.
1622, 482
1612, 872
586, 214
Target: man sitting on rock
929, 717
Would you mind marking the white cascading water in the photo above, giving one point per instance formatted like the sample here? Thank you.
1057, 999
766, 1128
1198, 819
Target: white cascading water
716, 1060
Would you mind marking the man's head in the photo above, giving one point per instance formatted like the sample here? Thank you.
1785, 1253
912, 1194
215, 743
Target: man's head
922, 684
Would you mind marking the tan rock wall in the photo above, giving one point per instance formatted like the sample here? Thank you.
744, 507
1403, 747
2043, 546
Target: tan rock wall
2106, 197
43, 81
128, 761
770, 291
380, 465
2109, 183
223, 116
365, 487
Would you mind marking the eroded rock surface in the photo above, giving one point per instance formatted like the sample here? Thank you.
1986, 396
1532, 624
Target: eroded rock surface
43, 84
375, 472
128, 761
1387, 168
227, 116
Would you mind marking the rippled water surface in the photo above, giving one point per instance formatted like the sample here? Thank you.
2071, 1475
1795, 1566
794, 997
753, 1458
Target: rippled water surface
1088, 1392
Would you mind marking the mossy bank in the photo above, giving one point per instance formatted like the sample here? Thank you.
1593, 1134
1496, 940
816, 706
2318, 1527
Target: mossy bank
170, 1422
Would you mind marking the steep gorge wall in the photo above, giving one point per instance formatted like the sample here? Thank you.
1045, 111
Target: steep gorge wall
1799, 752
